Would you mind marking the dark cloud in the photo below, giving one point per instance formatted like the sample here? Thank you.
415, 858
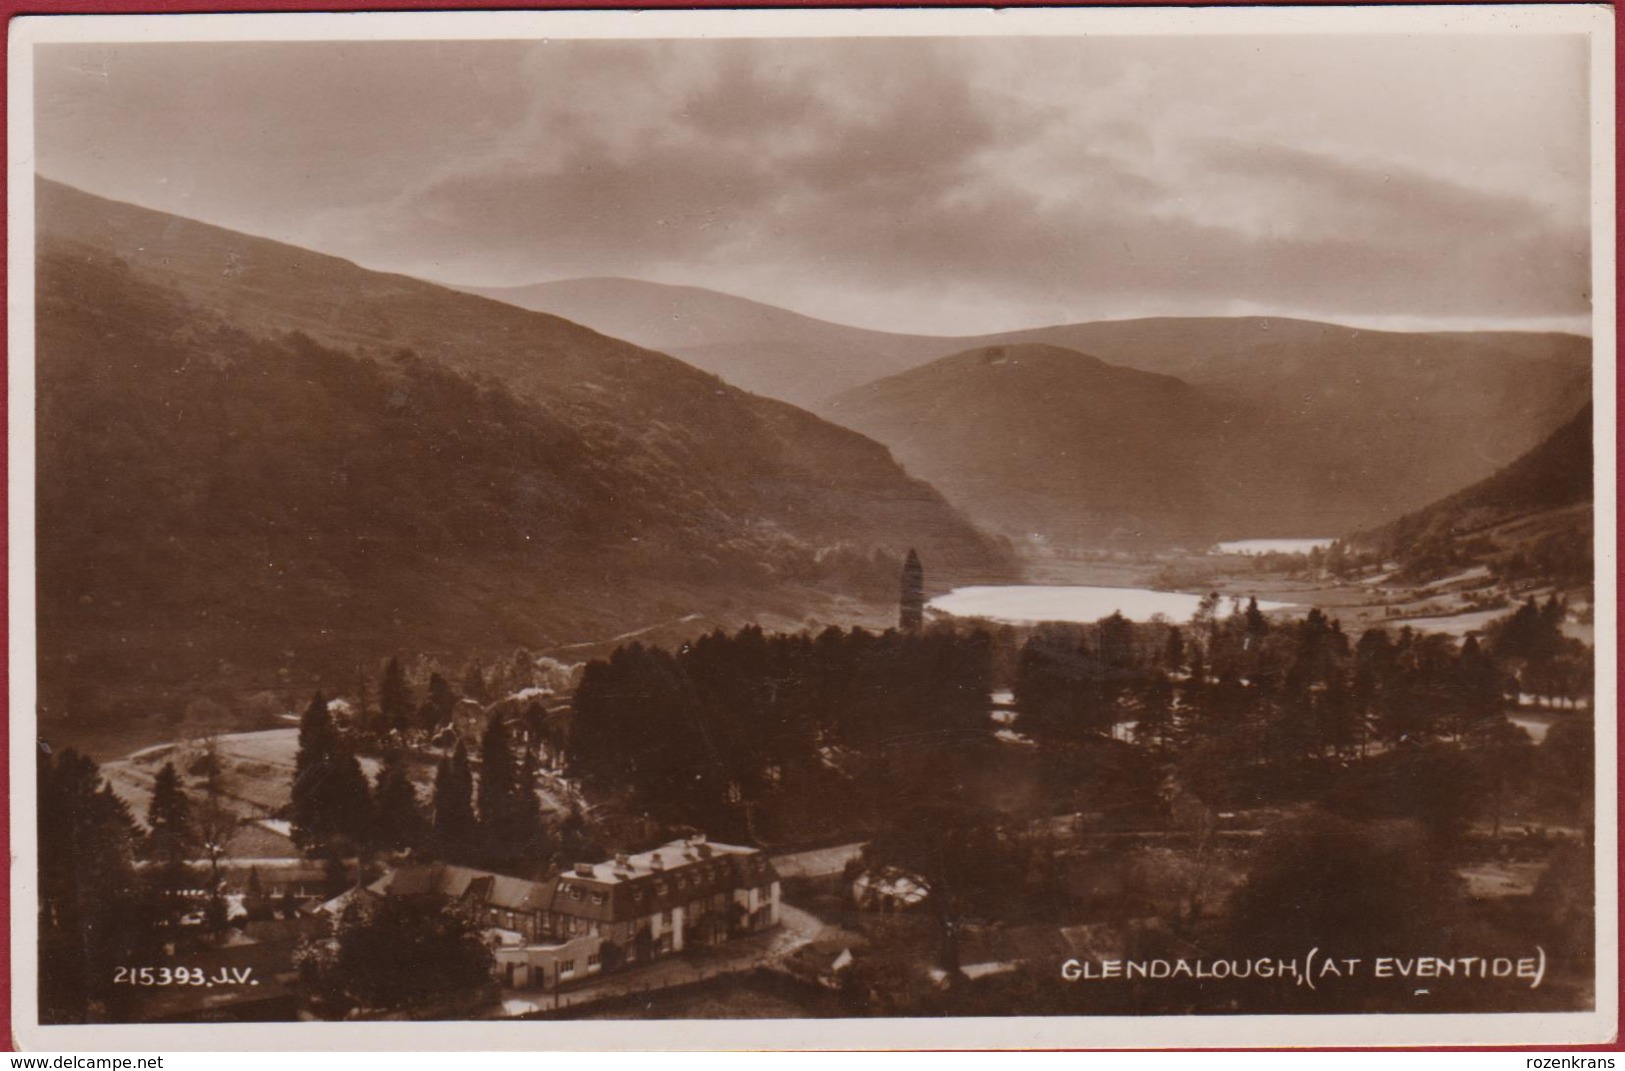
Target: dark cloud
955, 184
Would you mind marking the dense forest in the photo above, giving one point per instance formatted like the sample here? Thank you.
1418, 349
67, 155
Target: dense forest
731, 723
1394, 745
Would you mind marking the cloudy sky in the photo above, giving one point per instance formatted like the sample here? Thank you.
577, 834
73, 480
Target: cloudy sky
932, 185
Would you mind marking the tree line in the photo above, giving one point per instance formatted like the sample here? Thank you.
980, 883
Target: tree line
483, 811
703, 734
1335, 696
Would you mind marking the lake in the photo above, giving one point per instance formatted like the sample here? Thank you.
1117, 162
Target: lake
1272, 546
1025, 604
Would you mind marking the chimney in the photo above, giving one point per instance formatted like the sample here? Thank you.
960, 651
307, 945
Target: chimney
656, 863
696, 839
583, 870
622, 861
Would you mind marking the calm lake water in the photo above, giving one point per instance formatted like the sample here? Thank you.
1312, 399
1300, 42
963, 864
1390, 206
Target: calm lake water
1021, 604
1272, 546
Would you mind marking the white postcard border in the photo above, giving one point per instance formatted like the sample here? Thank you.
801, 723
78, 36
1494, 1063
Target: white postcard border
1492, 1030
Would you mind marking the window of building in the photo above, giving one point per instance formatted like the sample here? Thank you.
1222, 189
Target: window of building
665, 917
575, 892
567, 967
593, 960
660, 888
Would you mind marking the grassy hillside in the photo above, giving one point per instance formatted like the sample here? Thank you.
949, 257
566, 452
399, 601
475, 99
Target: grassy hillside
1386, 421
1039, 439
757, 347
1532, 519
1344, 427
259, 467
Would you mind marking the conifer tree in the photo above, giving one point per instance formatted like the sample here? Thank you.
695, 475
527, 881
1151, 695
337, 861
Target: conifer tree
454, 825
171, 840
395, 697
509, 813
93, 911
441, 702
1174, 653
350, 798
169, 819
1257, 623
400, 824
330, 799
316, 738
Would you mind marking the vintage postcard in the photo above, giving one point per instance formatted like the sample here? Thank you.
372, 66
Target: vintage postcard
1036, 528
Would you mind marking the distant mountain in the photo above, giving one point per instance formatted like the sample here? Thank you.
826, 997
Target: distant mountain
1388, 421
1041, 441
1050, 442
1377, 422
259, 467
760, 348
1544, 497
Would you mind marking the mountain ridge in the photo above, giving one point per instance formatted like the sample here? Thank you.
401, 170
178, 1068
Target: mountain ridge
1069, 445
1051, 443
1556, 474
708, 338
333, 464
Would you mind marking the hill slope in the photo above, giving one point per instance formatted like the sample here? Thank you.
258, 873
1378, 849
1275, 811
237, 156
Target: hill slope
1355, 426
259, 467
1539, 509
1034, 439
1050, 442
1391, 421
761, 348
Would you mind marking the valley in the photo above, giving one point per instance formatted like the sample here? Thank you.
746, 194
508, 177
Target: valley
996, 532
650, 603
1303, 425
267, 466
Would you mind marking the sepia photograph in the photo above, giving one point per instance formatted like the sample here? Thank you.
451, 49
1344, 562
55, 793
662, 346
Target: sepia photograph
804, 529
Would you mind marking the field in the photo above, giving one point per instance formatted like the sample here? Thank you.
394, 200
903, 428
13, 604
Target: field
256, 771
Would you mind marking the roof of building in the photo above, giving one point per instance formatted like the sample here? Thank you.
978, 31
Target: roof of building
337, 904
465, 883
671, 875
626, 887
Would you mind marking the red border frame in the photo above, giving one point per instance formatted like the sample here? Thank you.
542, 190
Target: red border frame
10, 9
